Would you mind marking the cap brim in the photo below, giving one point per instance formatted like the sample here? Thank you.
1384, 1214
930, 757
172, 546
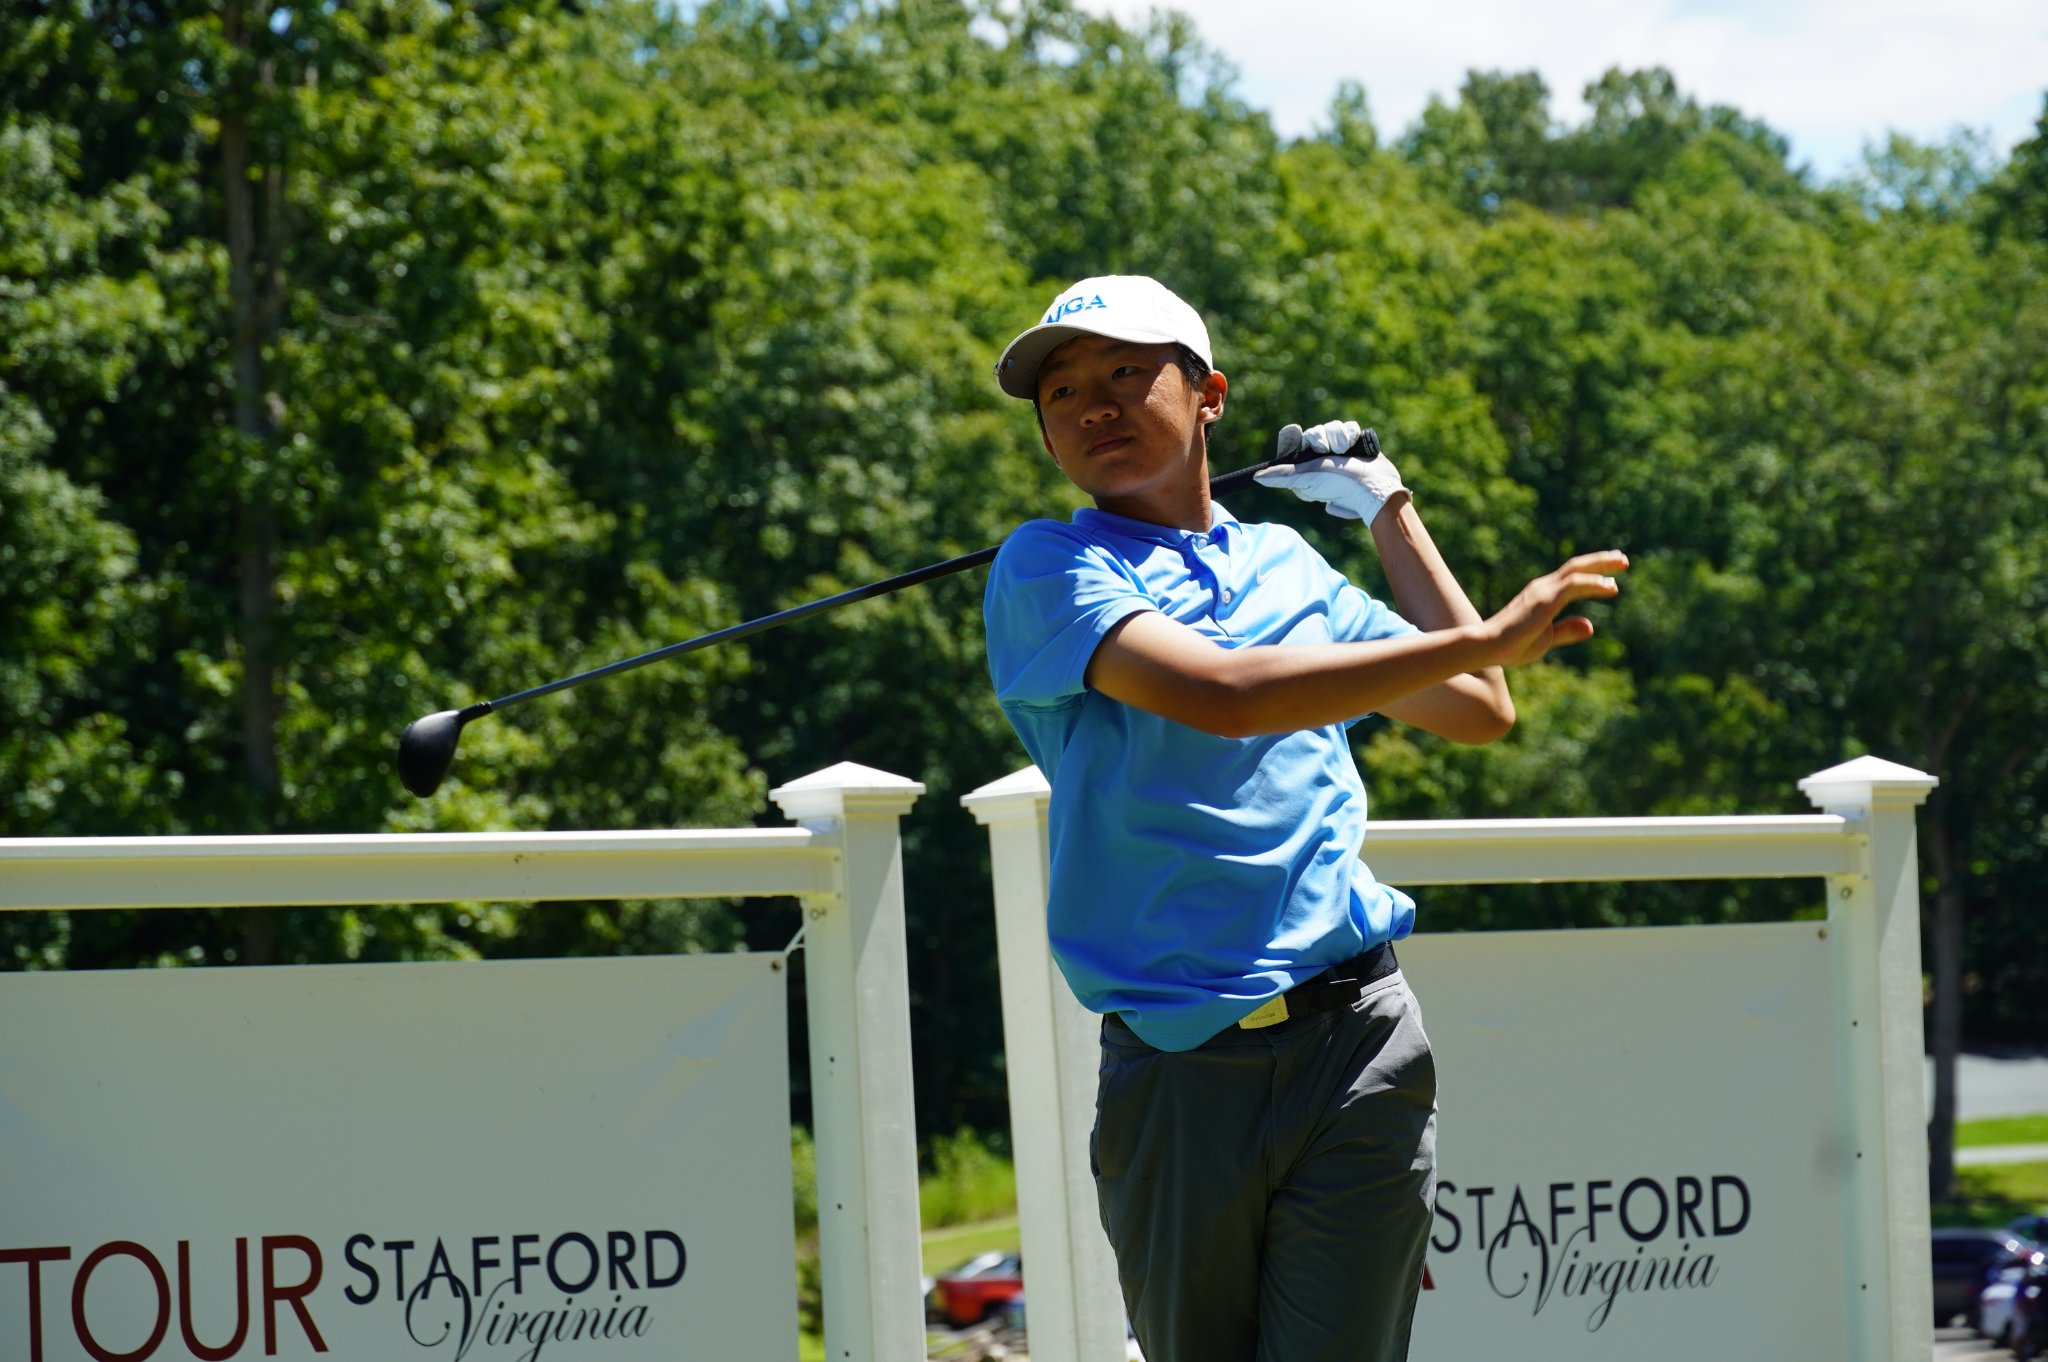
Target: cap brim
1017, 370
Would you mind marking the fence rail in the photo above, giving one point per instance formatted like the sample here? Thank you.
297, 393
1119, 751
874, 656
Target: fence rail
1860, 845
437, 867
843, 862
1526, 850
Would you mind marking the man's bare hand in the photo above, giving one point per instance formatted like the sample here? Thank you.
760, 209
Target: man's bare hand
1529, 626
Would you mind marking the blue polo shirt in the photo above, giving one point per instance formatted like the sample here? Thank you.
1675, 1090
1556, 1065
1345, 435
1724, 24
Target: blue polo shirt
1193, 877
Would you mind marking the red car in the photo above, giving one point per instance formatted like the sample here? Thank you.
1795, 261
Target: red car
971, 1292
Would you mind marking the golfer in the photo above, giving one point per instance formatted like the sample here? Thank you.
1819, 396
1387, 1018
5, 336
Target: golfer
1264, 1147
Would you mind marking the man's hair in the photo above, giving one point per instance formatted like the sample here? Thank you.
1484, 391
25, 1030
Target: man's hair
1191, 367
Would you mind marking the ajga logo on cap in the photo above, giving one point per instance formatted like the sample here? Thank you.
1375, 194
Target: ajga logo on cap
1069, 306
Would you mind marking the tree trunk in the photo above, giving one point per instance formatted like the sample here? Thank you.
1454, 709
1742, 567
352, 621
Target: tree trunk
1948, 1006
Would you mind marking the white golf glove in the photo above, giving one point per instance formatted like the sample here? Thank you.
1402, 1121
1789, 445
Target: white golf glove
1349, 488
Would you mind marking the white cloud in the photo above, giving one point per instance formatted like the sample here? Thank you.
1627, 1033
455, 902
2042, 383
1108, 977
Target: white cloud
1830, 74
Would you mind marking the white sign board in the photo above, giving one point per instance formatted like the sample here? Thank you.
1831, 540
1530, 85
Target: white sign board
529, 1161
1639, 1147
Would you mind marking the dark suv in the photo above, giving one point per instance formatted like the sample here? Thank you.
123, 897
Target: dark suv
1965, 1261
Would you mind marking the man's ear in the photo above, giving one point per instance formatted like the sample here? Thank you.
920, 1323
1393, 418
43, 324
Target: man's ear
1046, 440
1214, 388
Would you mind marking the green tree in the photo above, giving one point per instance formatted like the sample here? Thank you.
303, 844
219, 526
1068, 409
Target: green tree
2014, 204
359, 361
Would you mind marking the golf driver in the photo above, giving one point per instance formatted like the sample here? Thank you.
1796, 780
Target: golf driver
427, 747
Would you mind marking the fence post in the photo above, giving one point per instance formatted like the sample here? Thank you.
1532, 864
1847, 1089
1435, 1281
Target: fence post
857, 991
1051, 1053
1874, 919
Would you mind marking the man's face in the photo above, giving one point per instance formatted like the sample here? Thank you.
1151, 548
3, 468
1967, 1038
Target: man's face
1120, 418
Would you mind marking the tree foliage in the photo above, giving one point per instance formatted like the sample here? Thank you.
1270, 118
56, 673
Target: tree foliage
562, 332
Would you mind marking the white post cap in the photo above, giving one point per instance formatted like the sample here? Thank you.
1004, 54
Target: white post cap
845, 789
1867, 782
1018, 795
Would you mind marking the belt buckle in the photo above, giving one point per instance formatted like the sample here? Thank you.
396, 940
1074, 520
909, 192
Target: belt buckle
1270, 1013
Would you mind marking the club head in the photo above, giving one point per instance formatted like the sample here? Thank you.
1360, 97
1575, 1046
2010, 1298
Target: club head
427, 748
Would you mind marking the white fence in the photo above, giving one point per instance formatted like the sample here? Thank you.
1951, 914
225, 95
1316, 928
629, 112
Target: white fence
843, 859
1867, 1159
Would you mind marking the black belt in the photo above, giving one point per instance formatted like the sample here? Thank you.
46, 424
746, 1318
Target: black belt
1337, 986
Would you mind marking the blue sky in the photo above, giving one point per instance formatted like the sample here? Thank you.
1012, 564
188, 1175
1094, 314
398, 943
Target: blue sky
1829, 74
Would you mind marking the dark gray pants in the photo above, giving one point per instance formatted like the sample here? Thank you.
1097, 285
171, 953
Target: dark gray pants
1269, 1195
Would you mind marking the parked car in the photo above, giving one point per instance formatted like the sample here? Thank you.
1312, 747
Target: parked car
1998, 1305
2034, 1227
971, 1292
2030, 1309
1967, 1261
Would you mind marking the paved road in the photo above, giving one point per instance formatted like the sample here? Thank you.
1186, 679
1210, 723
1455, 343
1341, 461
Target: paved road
1997, 1085
2002, 1153
1960, 1345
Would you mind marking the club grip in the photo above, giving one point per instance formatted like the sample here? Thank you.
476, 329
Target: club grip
1367, 447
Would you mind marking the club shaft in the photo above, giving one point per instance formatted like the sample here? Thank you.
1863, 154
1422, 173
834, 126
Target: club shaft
1229, 482
754, 626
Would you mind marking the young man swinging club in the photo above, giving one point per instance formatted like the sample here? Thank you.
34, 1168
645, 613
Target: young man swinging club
1265, 1138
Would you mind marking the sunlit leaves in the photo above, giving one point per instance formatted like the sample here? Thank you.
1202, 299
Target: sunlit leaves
605, 326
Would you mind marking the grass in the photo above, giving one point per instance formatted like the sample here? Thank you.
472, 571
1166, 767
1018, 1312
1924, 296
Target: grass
968, 1201
969, 1183
1991, 1194
2002, 1130
946, 1249
968, 1205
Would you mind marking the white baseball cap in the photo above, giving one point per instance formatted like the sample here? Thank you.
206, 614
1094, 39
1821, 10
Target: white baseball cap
1130, 307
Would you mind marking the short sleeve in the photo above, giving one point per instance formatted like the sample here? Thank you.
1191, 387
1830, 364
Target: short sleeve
1356, 617
1051, 597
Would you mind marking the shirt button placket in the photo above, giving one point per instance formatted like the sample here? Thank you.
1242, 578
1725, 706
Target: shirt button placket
1215, 561
1199, 571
